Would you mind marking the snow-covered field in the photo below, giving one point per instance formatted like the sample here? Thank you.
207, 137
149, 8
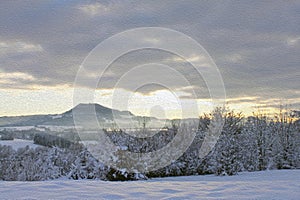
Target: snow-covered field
18, 143
283, 184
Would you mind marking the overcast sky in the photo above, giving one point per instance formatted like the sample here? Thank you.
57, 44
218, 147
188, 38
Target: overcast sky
255, 45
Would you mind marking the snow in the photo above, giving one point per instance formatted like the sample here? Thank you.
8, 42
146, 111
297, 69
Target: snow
18, 143
57, 128
57, 116
16, 128
279, 184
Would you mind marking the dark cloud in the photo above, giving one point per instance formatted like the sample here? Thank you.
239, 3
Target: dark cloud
253, 43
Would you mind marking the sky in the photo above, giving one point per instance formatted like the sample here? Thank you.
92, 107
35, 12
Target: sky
254, 44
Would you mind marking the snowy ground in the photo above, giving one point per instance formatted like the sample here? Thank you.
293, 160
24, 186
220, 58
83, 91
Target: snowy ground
18, 143
284, 184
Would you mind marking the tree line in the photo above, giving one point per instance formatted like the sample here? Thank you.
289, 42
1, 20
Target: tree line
245, 144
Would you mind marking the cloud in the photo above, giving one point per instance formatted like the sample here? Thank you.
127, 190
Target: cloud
16, 75
254, 44
152, 40
94, 9
192, 58
234, 58
293, 41
237, 100
12, 47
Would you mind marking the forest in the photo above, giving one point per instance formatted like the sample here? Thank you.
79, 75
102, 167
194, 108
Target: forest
253, 143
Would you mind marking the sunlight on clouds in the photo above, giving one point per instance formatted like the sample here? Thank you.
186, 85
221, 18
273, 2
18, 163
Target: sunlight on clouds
192, 58
144, 104
14, 78
198, 60
94, 9
42, 44
28, 102
234, 58
293, 41
246, 104
10, 47
250, 104
16, 75
241, 99
160, 104
152, 40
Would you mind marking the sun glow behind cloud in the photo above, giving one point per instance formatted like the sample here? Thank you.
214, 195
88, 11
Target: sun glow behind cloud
46, 100
160, 104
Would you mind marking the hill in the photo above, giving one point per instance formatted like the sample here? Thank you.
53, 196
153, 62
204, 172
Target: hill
84, 115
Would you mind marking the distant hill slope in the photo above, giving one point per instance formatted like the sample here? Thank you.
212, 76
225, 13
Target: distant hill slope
29, 120
85, 112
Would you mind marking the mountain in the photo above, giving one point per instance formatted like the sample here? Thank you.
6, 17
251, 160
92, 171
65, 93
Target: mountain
104, 112
84, 115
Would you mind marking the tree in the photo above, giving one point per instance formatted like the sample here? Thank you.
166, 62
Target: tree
228, 150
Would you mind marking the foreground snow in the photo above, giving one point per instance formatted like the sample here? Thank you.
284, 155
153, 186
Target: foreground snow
284, 184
